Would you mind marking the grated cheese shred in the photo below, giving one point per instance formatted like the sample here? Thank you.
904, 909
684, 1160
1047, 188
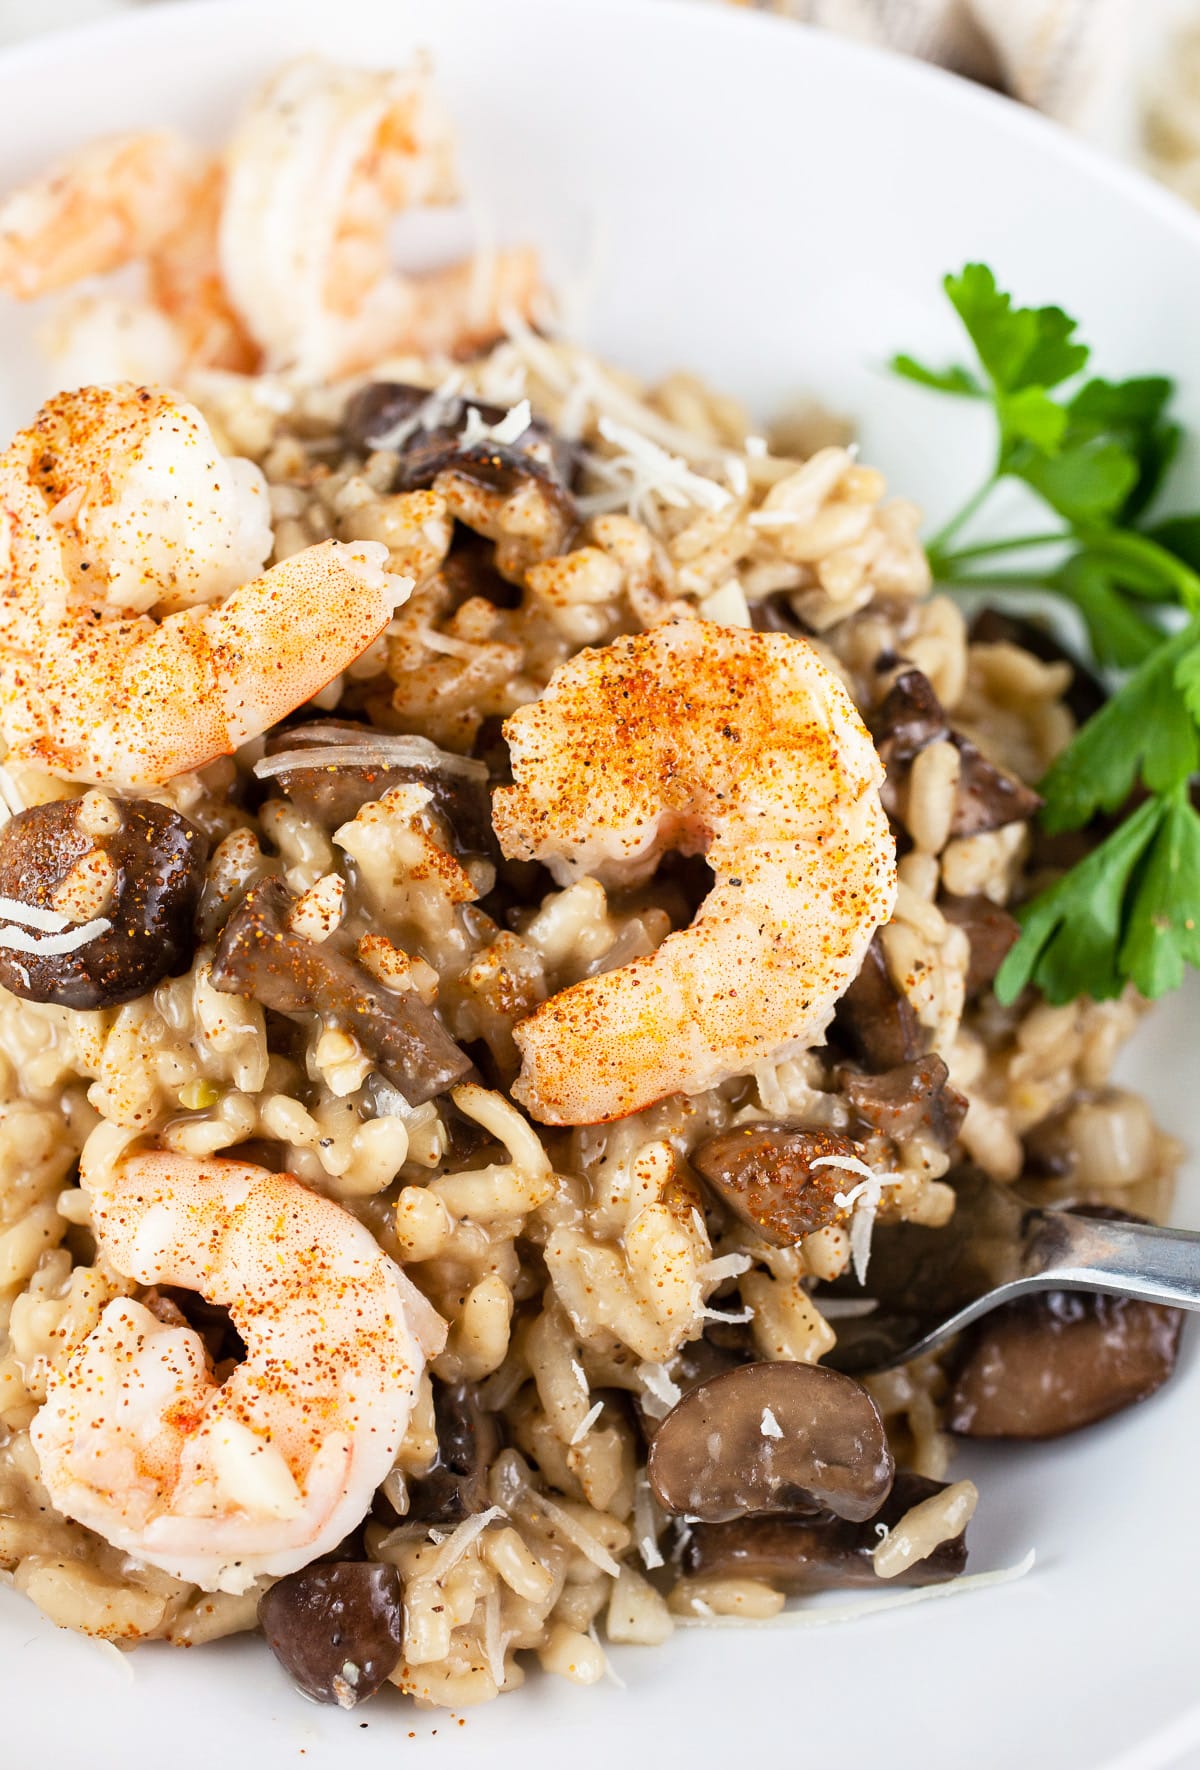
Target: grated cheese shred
586, 1423
459, 1541
69, 941
862, 1201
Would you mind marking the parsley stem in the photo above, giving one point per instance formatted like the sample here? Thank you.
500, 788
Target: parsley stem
984, 549
986, 580
937, 543
1126, 544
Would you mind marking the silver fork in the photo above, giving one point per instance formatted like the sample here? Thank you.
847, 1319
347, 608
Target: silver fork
929, 1284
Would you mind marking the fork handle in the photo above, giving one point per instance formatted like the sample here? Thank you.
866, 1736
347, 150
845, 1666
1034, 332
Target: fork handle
1126, 1259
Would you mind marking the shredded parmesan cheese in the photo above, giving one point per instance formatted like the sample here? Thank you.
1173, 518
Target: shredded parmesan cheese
49, 921
18, 941
847, 1308
586, 1423
609, 1673
460, 1540
584, 1541
646, 1523
862, 1201
660, 1393
732, 1315
331, 749
642, 472
725, 1266
769, 1426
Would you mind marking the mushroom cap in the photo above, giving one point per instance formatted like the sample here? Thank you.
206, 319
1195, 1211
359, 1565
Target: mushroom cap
765, 1438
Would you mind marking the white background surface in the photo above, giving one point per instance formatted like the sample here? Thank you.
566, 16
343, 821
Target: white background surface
776, 208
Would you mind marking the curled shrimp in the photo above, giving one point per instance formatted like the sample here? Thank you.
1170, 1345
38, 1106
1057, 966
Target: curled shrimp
741, 746
143, 198
109, 203
321, 162
132, 648
220, 1483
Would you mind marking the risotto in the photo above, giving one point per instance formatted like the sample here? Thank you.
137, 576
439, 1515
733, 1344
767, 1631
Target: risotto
388, 1210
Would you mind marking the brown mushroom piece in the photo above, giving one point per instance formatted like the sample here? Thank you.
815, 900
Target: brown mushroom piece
875, 1021
259, 956
991, 932
337, 1628
772, 1438
354, 764
765, 1173
822, 1554
911, 1097
468, 1444
910, 719
429, 428
1050, 1364
143, 873
542, 505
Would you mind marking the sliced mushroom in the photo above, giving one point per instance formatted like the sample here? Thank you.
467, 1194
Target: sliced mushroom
1051, 1364
910, 719
337, 1628
765, 1174
355, 764
429, 430
908, 1098
259, 956
990, 933
468, 1444
1050, 1151
772, 1438
875, 1021
821, 1554
775, 614
143, 874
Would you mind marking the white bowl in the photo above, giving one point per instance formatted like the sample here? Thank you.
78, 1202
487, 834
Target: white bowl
776, 208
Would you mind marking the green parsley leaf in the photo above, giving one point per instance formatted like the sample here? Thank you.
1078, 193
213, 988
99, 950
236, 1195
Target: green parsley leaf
1187, 681
1031, 416
1163, 919
1096, 455
1145, 733
1121, 637
1018, 346
953, 379
1073, 934
1085, 482
1131, 413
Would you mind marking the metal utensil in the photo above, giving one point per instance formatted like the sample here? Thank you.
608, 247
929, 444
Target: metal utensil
928, 1284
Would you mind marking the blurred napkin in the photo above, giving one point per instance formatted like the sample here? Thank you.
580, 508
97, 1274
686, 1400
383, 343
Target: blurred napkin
1061, 56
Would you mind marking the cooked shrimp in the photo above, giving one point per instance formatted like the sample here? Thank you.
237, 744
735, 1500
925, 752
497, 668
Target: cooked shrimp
120, 524
145, 198
317, 169
220, 1483
113, 201
710, 740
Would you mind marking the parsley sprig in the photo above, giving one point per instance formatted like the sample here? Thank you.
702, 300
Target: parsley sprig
1095, 453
